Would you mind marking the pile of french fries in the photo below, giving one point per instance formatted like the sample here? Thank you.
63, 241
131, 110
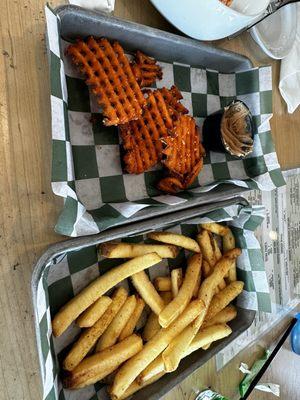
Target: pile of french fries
188, 311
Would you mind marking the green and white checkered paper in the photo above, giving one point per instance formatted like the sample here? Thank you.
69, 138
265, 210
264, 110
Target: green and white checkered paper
70, 272
86, 167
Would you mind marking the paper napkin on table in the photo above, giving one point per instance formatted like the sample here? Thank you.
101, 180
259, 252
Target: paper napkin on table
289, 84
100, 5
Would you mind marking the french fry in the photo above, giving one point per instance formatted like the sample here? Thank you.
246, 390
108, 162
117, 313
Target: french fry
133, 320
131, 250
218, 229
178, 304
205, 240
133, 367
152, 325
224, 316
90, 336
175, 351
206, 268
113, 331
198, 283
222, 299
134, 387
99, 365
69, 312
163, 283
204, 338
176, 280
218, 256
90, 316
206, 347
176, 239
147, 292
229, 244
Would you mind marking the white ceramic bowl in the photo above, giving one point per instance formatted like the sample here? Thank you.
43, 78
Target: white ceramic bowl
209, 19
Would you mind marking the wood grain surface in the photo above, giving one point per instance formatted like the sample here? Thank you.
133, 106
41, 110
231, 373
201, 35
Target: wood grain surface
28, 207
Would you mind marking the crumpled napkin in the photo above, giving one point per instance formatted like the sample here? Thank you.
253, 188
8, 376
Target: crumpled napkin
100, 5
289, 84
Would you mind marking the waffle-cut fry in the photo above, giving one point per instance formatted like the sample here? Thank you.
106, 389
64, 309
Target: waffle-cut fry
142, 138
182, 155
108, 72
145, 69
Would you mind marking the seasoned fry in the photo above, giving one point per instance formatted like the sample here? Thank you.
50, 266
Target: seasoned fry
133, 367
90, 336
94, 312
101, 285
173, 354
99, 365
224, 316
131, 250
197, 285
110, 336
176, 280
147, 291
206, 268
222, 299
176, 239
133, 320
163, 283
218, 229
228, 244
205, 240
134, 387
204, 338
152, 325
178, 304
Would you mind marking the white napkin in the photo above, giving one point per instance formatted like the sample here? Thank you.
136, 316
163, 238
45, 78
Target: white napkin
289, 84
100, 5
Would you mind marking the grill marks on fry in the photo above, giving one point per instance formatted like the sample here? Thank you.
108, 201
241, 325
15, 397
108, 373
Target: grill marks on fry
142, 138
108, 72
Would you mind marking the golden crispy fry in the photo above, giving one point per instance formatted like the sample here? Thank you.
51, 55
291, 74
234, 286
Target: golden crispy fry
205, 240
224, 316
141, 139
69, 312
183, 152
176, 280
163, 283
206, 268
228, 244
90, 336
222, 299
218, 229
108, 73
173, 354
133, 320
134, 387
99, 365
147, 291
131, 250
94, 312
113, 331
179, 303
132, 368
204, 338
145, 69
218, 256
176, 239
198, 283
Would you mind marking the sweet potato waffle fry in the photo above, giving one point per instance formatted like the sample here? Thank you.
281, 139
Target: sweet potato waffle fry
108, 73
183, 155
145, 69
142, 138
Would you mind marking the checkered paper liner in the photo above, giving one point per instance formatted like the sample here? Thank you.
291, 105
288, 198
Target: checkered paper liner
69, 273
86, 166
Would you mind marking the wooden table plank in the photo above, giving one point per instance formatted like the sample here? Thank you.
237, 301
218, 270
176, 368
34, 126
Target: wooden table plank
28, 207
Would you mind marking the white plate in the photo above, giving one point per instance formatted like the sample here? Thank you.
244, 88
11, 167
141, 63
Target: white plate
276, 34
208, 19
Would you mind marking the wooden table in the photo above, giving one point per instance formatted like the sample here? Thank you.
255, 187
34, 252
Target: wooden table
28, 207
